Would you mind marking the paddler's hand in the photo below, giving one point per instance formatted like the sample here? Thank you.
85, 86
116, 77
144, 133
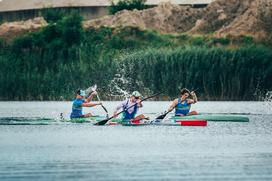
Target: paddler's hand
139, 103
115, 114
94, 93
194, 96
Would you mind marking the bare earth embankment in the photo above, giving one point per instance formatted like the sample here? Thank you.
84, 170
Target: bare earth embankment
231, 17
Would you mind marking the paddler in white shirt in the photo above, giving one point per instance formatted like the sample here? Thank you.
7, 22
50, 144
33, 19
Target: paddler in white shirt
130, 114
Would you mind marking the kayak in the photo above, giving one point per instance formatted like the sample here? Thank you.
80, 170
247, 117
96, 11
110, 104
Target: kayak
160, 123
214, 117
93, 119
119, 121
193, 120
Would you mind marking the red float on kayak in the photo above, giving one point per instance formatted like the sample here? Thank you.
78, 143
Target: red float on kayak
135, 121
192, 122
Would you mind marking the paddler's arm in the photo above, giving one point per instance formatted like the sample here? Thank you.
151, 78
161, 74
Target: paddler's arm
121, 105
91, 104
194, 100
173, 105
90, 97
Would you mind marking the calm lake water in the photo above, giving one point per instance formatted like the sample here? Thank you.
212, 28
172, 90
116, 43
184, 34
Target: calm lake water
69, 151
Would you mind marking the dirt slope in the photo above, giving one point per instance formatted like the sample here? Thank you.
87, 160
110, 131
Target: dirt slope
237, 17
166, 18
11, 30
222, 17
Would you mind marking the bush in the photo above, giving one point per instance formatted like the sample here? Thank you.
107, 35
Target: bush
72, 31
2, 43
198, 41
126, 4
243, 40
52, 15
220, 40
21, 43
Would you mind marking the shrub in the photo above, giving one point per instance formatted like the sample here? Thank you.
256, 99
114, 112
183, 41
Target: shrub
126, 4
198, 41
2, 43
247, 40
52, 15
220, 40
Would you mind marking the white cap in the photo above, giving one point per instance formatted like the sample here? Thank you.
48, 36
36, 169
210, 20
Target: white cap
82, 93
136, 94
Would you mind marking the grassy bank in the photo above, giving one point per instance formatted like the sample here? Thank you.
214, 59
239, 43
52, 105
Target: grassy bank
52, 63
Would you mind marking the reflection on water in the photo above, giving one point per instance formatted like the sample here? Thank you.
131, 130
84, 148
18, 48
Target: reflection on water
26, 121
220, 151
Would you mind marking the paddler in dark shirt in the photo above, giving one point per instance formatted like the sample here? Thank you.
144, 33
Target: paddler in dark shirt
80, 102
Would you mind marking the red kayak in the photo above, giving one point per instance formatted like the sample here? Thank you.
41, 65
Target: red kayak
192, 122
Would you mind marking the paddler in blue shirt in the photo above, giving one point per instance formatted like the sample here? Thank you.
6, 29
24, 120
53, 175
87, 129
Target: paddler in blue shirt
80, 102
182, 105
130, 114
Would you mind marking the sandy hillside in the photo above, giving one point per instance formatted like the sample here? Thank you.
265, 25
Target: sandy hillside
222, 17
234, 17
166, 18
10, 30
237, 17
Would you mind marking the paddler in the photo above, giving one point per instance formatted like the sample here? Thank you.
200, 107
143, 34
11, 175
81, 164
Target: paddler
80, 102
130, 114
182, 105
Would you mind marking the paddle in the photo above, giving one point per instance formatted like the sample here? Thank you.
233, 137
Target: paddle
166, 112
103, 122
102, 105
92, 89
163, 115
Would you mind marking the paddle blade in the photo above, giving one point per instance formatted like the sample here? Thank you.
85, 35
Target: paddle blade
161, 116
94, 87
103, 122
91, 89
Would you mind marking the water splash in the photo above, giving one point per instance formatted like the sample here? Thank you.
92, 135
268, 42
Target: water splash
119, 85
268, 100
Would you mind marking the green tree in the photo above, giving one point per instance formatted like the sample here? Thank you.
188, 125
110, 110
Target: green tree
52, 15
126, 4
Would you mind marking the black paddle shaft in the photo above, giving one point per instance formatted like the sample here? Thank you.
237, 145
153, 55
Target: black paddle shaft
104, 108
103, 122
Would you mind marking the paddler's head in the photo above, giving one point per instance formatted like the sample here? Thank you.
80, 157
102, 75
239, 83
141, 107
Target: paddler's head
135, 96
80, 94
185, 93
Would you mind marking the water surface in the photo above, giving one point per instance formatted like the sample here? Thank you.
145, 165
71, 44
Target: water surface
69, 151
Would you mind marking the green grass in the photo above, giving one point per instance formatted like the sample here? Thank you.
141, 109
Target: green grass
62, 57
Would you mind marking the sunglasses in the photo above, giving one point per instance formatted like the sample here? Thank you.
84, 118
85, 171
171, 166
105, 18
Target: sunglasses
136, 97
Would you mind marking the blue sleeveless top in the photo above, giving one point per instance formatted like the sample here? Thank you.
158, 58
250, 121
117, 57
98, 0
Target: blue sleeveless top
182, 109
77, 109
127, 115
